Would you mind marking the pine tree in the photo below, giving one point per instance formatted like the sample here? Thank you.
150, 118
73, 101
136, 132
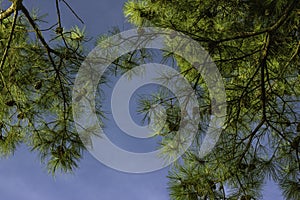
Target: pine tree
37, 75
255, 45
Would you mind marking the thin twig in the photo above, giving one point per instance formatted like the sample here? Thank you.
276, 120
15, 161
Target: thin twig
74, 13
251, 138
9, 39
263, 58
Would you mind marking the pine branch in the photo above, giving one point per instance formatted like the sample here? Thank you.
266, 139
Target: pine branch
272, 28
42, 39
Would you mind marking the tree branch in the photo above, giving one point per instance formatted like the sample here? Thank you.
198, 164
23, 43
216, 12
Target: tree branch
37, 31
9, 39
9, 11
49, 51
263, 68
251, 139
42, 39
272, 28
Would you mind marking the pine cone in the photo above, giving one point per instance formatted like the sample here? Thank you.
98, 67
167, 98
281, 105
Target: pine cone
21, 115
59, 30
10, 103
38, 85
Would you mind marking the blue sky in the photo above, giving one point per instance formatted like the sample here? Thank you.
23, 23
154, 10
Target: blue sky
23, 177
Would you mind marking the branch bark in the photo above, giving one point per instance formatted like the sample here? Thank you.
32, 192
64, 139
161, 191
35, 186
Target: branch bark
16, 5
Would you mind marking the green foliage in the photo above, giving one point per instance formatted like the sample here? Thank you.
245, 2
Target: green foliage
255, 45
35, 92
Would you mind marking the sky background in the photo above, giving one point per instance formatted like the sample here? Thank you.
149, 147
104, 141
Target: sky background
23, 177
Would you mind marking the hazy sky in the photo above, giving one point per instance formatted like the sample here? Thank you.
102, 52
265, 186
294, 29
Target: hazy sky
22, 177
